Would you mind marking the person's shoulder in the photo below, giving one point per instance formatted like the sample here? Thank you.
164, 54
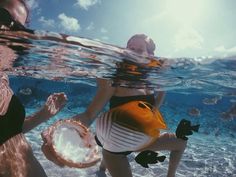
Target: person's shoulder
104, 83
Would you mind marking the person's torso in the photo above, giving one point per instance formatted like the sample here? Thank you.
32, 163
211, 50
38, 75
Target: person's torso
125, 95
12, 122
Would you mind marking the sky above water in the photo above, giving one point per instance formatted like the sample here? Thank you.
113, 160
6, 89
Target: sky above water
180, 28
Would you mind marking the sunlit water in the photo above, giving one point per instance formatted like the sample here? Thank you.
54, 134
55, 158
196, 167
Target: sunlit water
201, 89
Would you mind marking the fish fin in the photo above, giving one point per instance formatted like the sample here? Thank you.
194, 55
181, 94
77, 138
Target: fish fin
145, 165
196, 127
161, 158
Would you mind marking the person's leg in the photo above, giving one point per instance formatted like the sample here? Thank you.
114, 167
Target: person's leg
102, 166
34, 168
118, 165
19, 159
102, 170
175, 145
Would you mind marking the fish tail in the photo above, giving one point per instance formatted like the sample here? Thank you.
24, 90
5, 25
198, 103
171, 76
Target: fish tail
161, 158
196, 127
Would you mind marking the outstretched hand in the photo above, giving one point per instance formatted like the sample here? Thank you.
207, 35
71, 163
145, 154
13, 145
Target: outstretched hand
55, 103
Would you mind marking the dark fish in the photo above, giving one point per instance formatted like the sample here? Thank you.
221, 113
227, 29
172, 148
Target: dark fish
185, 128
148, 157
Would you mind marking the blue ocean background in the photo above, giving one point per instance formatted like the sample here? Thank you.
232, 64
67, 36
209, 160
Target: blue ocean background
210, 153
202, 90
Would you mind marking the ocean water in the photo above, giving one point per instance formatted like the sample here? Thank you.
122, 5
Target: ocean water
202, 90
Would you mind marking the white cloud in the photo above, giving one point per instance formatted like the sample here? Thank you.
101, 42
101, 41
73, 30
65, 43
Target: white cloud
96, 39
90, 27
38, 11
222, 49
47, 22
105, 38
69, 23
85, 4
156, 18
103, 30
188, 38
33, 4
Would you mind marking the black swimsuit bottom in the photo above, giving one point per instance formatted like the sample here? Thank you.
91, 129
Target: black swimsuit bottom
11, 123
119, 100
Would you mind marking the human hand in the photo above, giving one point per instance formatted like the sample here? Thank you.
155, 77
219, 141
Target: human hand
47, 148
55, 103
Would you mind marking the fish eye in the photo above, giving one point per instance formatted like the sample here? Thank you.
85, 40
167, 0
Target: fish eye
141, 105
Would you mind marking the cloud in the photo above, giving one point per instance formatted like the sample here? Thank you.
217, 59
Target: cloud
222, 49
32, 4
38, 11
156, 18
85, 4
188, 38
90, 26
69, 23
103, 30
105, 38
47, 22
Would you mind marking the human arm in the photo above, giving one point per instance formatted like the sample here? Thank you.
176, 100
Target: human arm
103, 95
53, 105
159, 99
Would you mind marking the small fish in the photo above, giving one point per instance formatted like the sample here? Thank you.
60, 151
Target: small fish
194, 112
230, 114
185, 128
148, 157
211, 101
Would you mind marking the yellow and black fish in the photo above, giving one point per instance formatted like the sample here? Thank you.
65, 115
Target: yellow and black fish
129, 127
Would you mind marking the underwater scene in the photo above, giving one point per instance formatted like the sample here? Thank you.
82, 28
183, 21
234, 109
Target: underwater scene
202, 90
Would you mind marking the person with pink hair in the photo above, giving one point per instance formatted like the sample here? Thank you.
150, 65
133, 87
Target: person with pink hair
116, 142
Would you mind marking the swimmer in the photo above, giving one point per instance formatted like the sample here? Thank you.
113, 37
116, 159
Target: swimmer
133, 118
16, 155
117, 163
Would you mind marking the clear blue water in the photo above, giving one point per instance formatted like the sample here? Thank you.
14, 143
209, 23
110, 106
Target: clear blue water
49, 63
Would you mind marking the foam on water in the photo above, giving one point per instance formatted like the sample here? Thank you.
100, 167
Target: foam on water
73, 59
